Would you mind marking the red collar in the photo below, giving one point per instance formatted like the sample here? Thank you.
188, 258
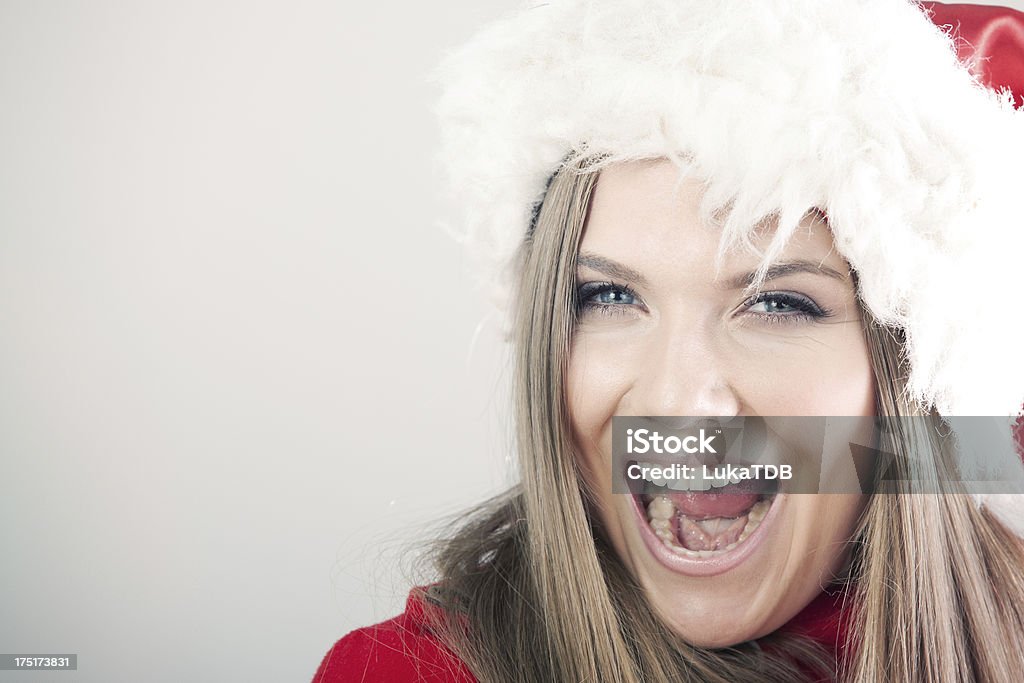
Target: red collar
826, 620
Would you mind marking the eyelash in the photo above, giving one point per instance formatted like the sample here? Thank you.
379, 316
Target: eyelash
587, 291
805, 308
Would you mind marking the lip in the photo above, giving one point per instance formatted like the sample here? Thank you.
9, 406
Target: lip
710, 566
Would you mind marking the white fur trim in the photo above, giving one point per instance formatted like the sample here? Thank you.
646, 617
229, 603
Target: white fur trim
858, 108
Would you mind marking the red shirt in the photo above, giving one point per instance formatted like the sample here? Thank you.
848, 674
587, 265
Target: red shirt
395, 651
402, 649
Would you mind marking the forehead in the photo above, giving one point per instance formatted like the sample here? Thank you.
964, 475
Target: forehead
646, 215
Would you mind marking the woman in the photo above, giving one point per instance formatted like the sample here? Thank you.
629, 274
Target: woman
728, 210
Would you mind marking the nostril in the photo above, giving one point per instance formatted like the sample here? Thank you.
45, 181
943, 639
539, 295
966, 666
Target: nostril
679, 422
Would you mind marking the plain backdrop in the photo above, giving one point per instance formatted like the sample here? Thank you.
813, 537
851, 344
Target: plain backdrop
243, 372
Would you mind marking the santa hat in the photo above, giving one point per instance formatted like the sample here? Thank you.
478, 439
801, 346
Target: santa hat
902, 130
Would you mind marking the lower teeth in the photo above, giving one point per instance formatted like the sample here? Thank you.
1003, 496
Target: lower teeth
661, 510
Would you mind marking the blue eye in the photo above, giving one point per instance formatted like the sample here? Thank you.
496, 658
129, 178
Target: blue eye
785, 307
605, 297
614, 296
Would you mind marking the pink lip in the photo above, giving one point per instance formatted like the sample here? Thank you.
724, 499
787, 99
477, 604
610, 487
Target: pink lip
711, 566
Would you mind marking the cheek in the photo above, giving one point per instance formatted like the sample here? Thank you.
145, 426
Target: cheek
850, 387
835, 378
831, 522
595, 385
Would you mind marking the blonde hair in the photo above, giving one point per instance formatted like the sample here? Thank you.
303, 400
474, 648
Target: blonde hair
534, 591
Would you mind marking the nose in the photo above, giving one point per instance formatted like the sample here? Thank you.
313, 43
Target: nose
685, 374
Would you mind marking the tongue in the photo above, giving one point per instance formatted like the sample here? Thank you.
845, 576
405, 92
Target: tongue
710, 535
707, 505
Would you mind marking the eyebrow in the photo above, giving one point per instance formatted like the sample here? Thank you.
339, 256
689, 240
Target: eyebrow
611, 268
777, 270
614, 269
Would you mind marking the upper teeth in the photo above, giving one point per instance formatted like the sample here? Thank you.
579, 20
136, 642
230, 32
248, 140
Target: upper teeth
695, 482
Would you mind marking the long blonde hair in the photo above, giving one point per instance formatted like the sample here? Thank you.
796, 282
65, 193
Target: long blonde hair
533, 590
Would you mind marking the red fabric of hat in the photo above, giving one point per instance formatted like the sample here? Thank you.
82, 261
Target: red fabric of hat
990, 39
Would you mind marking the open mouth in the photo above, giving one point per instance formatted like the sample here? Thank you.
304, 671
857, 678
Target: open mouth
704, 519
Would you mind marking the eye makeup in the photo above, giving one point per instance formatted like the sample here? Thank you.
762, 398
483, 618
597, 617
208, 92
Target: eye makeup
778, 307
605, 298
785, 308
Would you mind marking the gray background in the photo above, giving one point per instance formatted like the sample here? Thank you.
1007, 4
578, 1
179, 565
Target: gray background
242, 372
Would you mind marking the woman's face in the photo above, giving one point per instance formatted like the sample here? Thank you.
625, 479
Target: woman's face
660, 335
